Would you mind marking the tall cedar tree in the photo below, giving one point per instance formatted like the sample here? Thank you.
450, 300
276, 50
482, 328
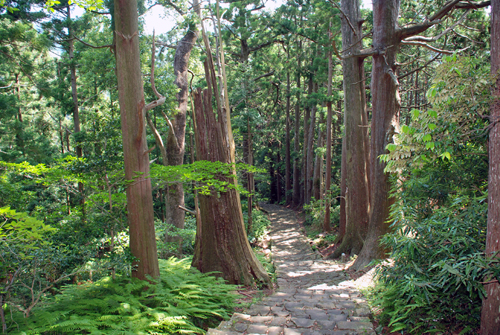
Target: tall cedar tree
175, 146
490, 313
387, 39
223, 245
135, 150
355, 169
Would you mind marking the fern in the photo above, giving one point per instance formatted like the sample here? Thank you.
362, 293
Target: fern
181, 302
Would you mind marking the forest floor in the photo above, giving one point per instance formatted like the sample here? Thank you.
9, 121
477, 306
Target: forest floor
314, 296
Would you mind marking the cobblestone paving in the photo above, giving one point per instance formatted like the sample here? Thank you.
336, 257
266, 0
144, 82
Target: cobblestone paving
314, 297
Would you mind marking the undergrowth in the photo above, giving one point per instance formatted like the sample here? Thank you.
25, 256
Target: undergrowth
434, 283
182, 301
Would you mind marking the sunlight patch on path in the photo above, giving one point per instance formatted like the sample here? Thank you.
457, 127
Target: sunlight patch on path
315, 296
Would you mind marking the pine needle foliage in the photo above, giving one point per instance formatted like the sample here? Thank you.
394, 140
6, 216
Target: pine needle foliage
182, 301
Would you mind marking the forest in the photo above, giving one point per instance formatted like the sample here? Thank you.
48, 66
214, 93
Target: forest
134, 166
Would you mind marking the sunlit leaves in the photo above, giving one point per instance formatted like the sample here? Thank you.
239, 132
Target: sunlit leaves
459, 96
87, 4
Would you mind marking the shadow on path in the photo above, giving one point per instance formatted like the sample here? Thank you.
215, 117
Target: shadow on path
315, 296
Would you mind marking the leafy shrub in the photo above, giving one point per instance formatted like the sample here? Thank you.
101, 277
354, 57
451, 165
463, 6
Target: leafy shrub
434, 283
260, 224
268, 264
182, 301
315, 210
187, 234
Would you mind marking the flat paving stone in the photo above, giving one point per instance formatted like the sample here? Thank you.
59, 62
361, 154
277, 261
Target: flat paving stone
359, 326
315, 296
275, 330
295, 331
261, 319
279, 321
257, 329
303, 322
338, 317
325, 324
317, 315
240, 327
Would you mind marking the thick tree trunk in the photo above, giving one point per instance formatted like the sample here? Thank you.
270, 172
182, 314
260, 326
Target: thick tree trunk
131, 98
328, 178
310, 150
343, 193
307, 117
223, 246
296, 144
288, 177
277, 174
250, 177
272, 177
76, 112
175, 145
318, 162
384, 87
355, 172
19, 125
490, 313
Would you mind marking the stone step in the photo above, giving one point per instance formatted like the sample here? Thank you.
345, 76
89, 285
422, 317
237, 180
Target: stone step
315, 296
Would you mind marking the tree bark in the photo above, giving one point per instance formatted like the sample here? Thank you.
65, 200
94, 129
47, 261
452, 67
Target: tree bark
76, 112
223, 246
328, 178
288, 177
136, 156
310, 148
355, 172
490, 313
296, 143
250, 180
19, 117
175, 145
384, 89
343, 194
306, 154
318, 162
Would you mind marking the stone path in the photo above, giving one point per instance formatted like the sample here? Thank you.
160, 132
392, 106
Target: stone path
315, 296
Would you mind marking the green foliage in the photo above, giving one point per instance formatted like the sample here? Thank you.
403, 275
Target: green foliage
20, 238
187, 234
260, 225
182, 301
208, 176
435, 281
268, 264
460, 96
315, 210
19, 228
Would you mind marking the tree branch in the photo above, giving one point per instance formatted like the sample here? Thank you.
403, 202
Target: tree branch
263, 45
163, 44
171, 127
449, 7
364, 53
467, 37
85, 43
345, 16
435, 38
419, 68
158, 139
264, 75
177, 9
352, 45
187, 210
428, 46
161, 98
